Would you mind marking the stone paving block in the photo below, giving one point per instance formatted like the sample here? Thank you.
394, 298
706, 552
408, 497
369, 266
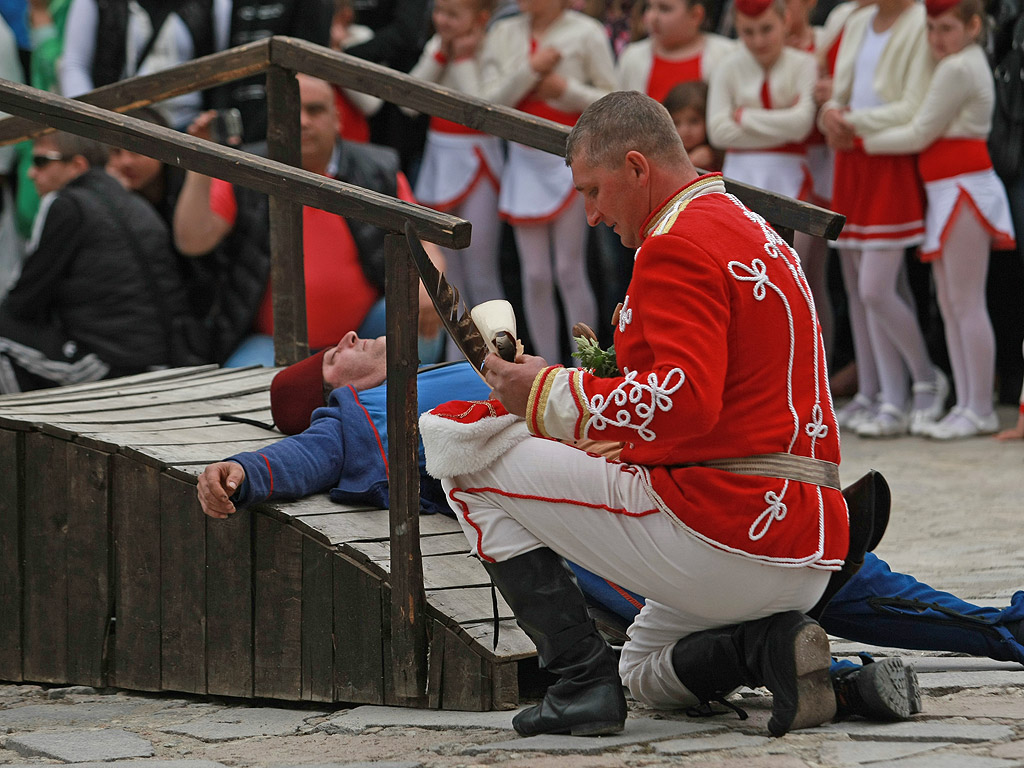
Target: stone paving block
918, 730
859, 752
72, 690
946, 682
150, 763
374, 764
243, 723
948, 760
732, 740
976, 705
1013, 750
74, 746
638, 731
360, 718
960, 664
62, 714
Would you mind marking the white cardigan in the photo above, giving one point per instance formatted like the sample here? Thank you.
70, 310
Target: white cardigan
586, 63
634, 67
737, 83
958, 104
901, 77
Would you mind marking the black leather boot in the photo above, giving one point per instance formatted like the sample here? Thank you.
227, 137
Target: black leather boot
549, 606
787, 653
882, 690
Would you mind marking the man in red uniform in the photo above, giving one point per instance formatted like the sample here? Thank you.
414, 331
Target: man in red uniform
724, 508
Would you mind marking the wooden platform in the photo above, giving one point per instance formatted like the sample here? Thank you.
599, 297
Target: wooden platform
111, 575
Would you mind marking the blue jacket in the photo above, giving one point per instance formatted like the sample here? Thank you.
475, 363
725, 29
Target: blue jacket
344, 451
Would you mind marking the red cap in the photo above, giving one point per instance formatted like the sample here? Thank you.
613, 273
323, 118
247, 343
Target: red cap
752, 8
939, 7
296, 392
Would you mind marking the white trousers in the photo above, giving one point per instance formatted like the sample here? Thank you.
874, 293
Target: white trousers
600, 515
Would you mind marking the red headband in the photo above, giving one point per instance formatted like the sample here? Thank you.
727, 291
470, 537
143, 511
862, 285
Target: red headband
752, 8
939, 7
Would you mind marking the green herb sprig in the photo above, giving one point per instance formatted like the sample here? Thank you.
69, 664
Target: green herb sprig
600, 362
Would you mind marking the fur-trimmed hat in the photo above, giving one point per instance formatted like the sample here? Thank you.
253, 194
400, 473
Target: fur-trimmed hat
296, 392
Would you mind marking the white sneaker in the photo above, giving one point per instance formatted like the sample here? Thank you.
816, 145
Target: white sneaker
966, 424
923, 419
890, 421
854, 412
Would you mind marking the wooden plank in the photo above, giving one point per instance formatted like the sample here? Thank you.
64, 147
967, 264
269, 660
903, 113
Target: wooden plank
317, 622
195, 75
505, 686
135, 510
470, 605
467, 680
182, 588
85, 429
102, 386
408, 621
90, 600
12, 461
508, 123
229, 606
200, 453
243, 405
370, 525
45, 638
358, 618
257, 381
287, 268
278, 610
430, 546
513, 644
233, 165
435, 663
220, 432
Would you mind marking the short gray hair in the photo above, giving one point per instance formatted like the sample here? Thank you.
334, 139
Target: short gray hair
621, 122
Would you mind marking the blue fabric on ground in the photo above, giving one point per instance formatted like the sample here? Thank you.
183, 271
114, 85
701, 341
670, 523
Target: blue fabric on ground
880, 607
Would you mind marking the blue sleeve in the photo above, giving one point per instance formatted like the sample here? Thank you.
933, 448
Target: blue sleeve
296, 466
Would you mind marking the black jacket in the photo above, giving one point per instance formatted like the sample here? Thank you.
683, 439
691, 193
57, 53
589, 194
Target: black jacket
104, 273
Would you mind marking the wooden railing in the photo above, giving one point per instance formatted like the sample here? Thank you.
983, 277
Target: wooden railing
96, 115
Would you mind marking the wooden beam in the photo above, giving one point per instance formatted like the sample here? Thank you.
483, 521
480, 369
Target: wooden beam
508, 123
287, 268
233, 165
408, 614
125, 95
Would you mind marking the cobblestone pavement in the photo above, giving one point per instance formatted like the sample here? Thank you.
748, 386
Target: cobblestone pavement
957, 512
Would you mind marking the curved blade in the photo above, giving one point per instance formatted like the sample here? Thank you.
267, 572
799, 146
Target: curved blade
454, 314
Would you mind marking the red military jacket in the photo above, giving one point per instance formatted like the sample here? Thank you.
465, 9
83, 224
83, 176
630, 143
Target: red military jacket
722, 355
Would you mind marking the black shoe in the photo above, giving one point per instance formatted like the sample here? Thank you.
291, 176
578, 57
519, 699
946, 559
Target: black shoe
787, 653
882, 690
549, 606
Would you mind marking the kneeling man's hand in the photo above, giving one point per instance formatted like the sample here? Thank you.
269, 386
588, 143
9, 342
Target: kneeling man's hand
512, 382
216, 485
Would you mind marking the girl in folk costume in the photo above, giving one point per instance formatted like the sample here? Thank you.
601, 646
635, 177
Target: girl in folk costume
968, 212
882, 72
761, 103
551, 62
687, 104
461, 166
676, 51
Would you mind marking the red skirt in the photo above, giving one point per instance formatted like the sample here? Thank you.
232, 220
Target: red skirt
882, 199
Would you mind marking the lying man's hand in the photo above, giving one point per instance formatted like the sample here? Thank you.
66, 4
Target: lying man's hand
216, 485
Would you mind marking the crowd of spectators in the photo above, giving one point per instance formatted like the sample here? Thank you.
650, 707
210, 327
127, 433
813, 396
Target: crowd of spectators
847, 106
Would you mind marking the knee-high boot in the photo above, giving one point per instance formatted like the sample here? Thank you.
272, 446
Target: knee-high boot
549, 606
787, 653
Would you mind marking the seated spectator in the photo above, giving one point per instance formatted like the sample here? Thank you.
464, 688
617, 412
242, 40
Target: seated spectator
99, 286
344, 260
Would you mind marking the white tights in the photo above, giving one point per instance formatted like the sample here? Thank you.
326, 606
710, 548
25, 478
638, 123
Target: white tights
960, 284
551, 253
474, 270
887, 339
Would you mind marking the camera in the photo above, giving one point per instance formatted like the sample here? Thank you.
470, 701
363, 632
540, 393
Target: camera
226, 127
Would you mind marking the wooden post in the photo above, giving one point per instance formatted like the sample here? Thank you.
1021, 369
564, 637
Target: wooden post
408, 619
287, 271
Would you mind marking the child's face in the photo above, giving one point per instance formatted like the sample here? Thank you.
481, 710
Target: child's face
455, 18
947, 33
673, 23
764, 35
690, 127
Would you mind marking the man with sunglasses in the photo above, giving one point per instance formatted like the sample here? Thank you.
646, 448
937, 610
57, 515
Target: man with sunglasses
99, 284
